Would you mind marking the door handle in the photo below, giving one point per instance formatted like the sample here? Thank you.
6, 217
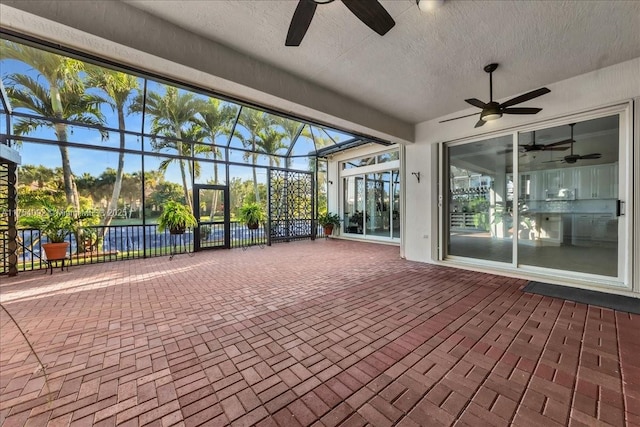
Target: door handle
619, 208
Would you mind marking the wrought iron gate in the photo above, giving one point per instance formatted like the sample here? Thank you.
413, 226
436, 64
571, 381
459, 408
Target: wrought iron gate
291, 205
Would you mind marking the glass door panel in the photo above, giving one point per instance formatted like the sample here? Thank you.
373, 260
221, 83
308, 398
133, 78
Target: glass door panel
568, 197
354, 205
211, 212
395, 212
378, 194
479, 207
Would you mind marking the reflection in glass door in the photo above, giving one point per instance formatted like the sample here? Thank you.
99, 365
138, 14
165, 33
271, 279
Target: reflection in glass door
569, 213
211, 204
354, 208
395, 213
569, 197
480, 201
372, 204
378, 194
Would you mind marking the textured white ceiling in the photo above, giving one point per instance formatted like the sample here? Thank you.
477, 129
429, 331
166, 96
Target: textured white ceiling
430, 61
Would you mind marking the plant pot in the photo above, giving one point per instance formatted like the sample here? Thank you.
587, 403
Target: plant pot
328, 230
177, 230
253, 225
55, 250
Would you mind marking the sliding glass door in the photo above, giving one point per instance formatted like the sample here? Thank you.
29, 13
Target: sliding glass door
548, 200
372, 204
480, 194
569, 197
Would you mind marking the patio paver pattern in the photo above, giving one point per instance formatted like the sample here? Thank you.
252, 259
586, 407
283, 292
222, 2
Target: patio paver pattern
320, 333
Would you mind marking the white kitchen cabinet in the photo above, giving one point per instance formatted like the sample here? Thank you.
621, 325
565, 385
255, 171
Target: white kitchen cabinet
605, 228
597, 182
531, 186
594, 229
604, 179
589, 182
556, 180
582, 228
550, 229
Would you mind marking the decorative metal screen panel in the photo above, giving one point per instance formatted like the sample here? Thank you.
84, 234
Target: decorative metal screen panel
291, 205
8, 243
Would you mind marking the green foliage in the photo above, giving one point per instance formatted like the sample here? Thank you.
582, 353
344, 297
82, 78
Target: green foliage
242, 193
481, 220
358, 217
479, 204
329, 218
176, 216
162, 193
56, 224
252, 213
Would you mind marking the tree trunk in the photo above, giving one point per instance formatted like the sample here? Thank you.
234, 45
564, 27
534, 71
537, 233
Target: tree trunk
255, 176
214, 198
117, 185
214, 203
70, 190
185, 186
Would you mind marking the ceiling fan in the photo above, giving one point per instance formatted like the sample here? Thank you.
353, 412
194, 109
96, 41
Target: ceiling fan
493, 110
572, 158
534, 146
554, 146
372, 13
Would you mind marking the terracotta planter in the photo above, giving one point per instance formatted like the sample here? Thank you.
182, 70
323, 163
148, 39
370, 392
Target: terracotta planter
328, 230
55, 250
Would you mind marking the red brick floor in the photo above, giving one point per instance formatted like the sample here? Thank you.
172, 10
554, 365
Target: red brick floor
311, 333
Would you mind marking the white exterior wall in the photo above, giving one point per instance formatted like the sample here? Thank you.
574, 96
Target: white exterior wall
608, 86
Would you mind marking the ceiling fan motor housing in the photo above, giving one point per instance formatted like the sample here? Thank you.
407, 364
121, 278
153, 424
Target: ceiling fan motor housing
491, 111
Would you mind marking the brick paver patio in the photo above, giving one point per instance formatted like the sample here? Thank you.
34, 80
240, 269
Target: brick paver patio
309, 333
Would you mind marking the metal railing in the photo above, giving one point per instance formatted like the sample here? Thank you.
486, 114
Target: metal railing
123, 242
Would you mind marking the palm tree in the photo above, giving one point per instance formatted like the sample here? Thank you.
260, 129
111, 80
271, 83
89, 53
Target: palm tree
60, 97
269, 143
292, 130
118, 87
216, 120
171, 112
253, 121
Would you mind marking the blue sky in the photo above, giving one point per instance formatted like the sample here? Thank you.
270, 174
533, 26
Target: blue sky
95, 162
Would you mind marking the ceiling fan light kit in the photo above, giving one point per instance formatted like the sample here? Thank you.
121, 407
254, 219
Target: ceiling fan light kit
493, 110
429, 5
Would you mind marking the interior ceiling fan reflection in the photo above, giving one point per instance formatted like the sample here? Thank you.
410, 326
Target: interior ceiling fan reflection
534, 146
572, 158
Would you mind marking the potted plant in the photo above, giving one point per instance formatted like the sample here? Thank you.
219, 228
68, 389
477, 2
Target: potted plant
54, 224
328, 221
176, 217
356, 222
252, 215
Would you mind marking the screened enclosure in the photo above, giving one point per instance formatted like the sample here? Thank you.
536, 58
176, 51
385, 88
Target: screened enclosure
114, 145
